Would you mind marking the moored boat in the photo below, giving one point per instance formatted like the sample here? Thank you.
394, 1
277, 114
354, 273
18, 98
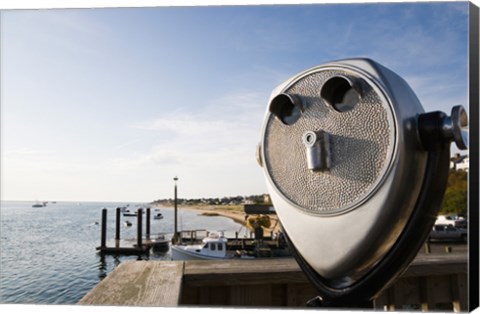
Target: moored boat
160, 244
213, 247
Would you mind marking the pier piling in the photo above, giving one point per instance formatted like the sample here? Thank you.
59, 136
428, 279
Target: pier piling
117, 228
103, 241
175, 210
140, 249
147, 224
139, 227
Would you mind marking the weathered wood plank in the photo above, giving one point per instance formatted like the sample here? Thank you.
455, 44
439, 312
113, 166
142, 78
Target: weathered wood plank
242, 272
240, 265
279, 295
406, 291
298, 294
428, 292
437, 265
146, 283
382, 301
459, 285
438, 290
287, 270
258, 295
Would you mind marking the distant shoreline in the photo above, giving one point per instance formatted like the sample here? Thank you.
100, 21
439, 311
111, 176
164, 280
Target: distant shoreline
234, 212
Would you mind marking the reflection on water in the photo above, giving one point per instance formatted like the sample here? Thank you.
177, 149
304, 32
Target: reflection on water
108, 262
102, 268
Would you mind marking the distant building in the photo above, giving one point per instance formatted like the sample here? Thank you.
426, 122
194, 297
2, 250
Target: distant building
459, 162
267, 199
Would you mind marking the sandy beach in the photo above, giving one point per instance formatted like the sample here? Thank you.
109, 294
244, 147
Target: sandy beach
234, 212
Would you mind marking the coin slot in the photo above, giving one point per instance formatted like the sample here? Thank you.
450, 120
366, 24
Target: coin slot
340, 93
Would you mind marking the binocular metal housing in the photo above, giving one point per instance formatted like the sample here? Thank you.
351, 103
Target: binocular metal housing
356, 171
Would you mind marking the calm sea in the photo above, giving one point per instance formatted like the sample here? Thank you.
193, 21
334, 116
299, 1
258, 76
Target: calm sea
48, 254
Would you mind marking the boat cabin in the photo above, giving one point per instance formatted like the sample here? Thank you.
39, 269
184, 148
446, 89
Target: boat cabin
212, 247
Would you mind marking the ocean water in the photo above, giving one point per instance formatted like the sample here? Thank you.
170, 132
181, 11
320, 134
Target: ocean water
48, 255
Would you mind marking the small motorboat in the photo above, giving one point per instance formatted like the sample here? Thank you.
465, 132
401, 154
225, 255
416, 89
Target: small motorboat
160, 244
37, 205
213, 247
158, 216
127, 223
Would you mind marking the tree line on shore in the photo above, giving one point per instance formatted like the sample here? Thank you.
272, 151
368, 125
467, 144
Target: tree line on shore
226, 200
454, 202
456, 195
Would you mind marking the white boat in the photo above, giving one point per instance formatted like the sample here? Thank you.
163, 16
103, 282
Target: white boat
158, 216
213, 247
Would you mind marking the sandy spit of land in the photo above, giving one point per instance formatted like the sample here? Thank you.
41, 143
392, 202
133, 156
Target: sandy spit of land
234, 212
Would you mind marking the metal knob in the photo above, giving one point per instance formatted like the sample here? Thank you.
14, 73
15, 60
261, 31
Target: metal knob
436, 128
454, 127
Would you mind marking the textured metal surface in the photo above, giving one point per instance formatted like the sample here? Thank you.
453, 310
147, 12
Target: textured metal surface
361, 145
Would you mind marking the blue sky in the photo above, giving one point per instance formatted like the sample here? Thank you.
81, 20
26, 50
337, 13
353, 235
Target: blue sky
111, 104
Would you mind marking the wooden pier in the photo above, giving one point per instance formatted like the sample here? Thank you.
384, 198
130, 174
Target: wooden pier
140, 248
431, 281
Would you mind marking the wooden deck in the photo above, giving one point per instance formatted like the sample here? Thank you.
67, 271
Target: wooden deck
431, 282
141, 283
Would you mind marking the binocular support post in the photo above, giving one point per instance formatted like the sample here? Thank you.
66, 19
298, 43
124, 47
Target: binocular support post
362, 292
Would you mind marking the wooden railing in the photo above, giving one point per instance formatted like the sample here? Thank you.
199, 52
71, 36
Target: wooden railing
431, 282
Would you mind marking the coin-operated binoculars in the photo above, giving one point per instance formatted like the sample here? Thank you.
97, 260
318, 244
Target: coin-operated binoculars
356, 171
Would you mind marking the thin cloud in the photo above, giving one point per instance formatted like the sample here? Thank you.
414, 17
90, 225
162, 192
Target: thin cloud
61, 24
24, 152
156, 158
185, 124
224, 133
127, 144
232, 113
439, 92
